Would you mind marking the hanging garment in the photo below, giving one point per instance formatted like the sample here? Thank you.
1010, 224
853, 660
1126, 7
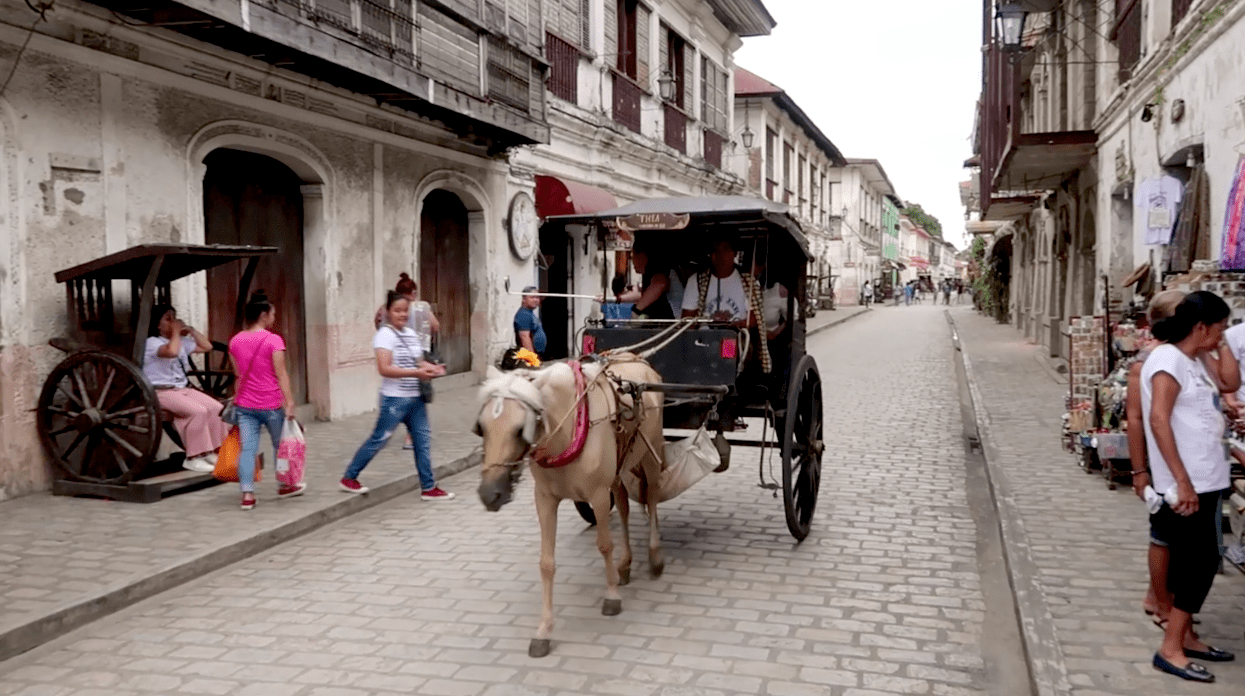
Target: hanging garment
1233, 257
1158, 200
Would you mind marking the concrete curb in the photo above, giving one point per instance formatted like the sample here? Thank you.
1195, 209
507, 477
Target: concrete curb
19, 639
1046, 660
837, 321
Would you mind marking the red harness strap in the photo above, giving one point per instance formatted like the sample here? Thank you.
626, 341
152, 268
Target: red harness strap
580, 437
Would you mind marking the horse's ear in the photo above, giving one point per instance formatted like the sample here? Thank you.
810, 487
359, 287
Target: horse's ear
477, 428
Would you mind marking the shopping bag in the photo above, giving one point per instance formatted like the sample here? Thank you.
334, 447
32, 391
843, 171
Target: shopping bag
227, 458
291, 454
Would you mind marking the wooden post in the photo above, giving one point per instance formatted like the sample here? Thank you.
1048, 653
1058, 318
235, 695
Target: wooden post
244, 287
144, 309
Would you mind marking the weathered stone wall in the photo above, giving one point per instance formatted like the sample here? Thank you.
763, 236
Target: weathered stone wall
1087, 363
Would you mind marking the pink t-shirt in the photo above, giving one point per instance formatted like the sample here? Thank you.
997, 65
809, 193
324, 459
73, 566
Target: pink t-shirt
257, 385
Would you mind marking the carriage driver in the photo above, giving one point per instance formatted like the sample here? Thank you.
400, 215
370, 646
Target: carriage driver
724, 293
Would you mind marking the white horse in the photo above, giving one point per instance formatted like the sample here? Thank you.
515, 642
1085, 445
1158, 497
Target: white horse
579, 426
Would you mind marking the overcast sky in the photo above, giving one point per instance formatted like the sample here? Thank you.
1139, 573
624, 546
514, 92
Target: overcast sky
893, 80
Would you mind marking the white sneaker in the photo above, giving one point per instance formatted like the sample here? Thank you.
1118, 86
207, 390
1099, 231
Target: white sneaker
211, 458
198, 465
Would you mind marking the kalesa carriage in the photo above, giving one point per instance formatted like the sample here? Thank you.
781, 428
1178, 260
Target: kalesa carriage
641, 385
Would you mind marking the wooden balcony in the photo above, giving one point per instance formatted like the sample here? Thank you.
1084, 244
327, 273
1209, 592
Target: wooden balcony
676, 127
563, 59
438, 59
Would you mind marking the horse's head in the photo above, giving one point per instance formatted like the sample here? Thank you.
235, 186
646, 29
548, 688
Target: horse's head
509, 423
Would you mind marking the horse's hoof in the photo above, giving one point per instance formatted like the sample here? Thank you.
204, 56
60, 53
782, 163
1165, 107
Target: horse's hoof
656, 569
624, 576
611, 607
539, 647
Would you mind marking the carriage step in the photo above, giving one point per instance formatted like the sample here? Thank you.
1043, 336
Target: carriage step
148, 490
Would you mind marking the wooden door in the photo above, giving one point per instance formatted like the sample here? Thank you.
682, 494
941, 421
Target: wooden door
253, 199
555, 250
444, 275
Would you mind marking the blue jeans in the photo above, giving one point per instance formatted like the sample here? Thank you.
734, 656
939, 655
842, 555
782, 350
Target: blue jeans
249, 422
396, 410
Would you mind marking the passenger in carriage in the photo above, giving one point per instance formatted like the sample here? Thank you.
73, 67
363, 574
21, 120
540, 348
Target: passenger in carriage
650, 297
196, 416
724, 293
775, 294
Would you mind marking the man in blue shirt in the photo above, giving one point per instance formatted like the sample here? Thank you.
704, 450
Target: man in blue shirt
528, 332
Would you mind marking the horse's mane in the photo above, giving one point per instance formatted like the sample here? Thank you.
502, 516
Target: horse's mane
516, 384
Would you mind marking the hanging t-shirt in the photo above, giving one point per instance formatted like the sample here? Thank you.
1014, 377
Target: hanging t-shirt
1196, 422
725, 295
407, 354
1158, 202
166, 372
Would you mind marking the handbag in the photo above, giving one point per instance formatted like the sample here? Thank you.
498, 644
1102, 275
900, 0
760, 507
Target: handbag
230, 453
229, 412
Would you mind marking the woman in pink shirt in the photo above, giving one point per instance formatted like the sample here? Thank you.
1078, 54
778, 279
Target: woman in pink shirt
262, 395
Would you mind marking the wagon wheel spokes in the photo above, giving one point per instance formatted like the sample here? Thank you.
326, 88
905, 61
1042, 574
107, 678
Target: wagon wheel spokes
97, 418
802, 447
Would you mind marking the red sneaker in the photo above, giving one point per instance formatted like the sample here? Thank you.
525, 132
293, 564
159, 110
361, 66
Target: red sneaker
292, 491
248, 501
353, 486
436, 494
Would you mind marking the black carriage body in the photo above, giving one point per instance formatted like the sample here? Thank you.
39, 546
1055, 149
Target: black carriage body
711, 374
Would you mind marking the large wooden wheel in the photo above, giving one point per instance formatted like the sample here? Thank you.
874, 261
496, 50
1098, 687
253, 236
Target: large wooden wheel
99, 419
802, 447
212, 372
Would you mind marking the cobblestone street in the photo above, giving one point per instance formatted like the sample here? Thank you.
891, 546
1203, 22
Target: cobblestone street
884, 597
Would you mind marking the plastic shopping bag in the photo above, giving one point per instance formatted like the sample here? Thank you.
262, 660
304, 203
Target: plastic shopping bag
686, 462
291, 454
228, 455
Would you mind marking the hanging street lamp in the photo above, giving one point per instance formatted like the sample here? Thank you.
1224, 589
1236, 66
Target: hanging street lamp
1011, 22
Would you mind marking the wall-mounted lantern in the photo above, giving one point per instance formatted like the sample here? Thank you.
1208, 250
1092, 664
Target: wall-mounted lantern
1011, 21
665, 85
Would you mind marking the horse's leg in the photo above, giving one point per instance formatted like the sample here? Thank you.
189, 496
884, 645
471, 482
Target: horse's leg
605, 544
656, 558
624, 514
547, 513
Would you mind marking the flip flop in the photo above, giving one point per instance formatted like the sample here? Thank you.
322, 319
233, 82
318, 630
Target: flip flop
1194, 672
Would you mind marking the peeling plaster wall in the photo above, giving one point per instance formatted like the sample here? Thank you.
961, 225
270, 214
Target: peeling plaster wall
94, 161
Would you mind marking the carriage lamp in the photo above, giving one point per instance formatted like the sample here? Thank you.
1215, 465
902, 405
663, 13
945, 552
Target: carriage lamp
747, 138
665, 85
730, 348
590, 344
1011, 17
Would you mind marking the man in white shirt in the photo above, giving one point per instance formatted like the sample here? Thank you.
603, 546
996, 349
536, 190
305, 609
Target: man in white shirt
727, 299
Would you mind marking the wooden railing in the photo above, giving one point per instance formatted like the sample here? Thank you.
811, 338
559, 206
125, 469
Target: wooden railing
563, 60
713, 148
1127, 35
676, 127
627, 96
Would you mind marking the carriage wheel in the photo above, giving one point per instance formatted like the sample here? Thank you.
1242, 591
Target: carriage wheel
802, 447
99, 419
215, 377
585, 510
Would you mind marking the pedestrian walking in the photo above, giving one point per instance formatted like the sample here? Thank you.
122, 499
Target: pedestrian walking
529, 333
1184, 438
868, 293
262, 394
196, 415
908, 291
408, 289
959, 291
401, 364
946, 292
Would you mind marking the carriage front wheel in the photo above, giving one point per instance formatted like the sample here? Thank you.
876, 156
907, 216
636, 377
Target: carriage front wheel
98, 418
802, 447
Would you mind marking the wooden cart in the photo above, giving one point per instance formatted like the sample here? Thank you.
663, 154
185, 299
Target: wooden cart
98, 417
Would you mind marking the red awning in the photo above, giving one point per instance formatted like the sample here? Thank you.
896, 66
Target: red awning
556, 196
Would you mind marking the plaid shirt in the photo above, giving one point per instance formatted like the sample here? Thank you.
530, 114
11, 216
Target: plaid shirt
756, 307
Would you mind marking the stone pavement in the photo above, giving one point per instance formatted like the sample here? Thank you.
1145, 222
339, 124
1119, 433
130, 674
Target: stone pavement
884, 597
1079, 548
65, 561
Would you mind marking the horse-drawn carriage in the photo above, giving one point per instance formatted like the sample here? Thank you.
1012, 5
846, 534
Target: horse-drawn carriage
716, 373
98, 416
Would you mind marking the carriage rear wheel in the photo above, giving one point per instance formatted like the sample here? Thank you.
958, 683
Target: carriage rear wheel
802, 447
98, 418
215, 378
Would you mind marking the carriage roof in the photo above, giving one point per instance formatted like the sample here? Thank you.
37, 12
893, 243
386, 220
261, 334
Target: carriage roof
180, 260
704, 216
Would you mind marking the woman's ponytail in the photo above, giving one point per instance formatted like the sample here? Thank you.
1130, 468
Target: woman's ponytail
256, 307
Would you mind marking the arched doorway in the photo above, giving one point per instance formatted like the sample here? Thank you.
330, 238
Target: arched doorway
444, 275
253, 199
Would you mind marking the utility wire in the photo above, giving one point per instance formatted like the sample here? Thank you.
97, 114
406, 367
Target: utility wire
42, 9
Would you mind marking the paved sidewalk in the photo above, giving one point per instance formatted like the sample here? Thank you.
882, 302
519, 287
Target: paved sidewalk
1076, 551
826, 318
67, 561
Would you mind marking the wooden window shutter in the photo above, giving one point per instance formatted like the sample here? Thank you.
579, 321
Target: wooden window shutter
535, 35
642, 15
663, 50
585, 28
688, 78
611, 32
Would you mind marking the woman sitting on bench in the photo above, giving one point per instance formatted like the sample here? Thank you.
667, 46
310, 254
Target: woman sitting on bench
196, 416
